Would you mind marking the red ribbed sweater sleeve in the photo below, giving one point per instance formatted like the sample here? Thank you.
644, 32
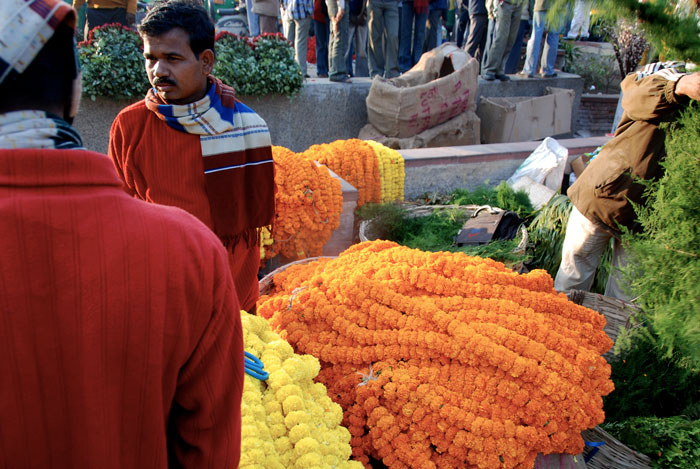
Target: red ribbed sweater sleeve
162, 165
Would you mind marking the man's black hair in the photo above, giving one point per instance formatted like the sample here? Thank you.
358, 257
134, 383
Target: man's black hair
188, 15
48, 80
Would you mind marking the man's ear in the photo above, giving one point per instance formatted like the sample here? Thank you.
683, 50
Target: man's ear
207, 59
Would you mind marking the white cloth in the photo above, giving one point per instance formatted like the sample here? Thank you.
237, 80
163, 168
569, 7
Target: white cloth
34, 129
583, 248
25, 26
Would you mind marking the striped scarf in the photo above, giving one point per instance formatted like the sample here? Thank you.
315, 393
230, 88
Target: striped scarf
37, 129
236, 155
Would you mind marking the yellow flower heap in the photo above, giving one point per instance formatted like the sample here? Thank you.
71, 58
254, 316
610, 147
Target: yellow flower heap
391, 171
445, 360
288, 421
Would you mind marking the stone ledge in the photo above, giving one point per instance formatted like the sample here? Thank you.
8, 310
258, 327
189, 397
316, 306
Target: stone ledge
448, 168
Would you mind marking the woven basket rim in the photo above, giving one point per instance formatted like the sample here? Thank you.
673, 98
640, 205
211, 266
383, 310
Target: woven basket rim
267, 282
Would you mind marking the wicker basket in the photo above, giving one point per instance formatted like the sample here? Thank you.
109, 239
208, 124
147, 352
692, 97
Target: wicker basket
616, 312
267, 283
613, 454
367, 233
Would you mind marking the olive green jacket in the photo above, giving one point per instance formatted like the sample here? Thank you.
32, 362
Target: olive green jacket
604, 190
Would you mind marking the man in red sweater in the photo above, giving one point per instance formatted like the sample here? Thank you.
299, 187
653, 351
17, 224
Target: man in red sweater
191, 144
120, 331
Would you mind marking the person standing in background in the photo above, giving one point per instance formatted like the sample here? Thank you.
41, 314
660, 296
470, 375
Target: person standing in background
478, 23
437, 10
253, 20
101, 12
507, 22
297, 16
581, 20
383, 38
549, 54
268, 15
340, 24
322, 32
357, 39
414, 14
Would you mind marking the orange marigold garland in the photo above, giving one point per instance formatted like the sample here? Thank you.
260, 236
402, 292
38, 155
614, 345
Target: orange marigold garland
308, 203
353, 160
445, 360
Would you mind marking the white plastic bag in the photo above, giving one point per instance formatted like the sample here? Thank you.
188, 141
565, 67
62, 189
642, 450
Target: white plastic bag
544, 166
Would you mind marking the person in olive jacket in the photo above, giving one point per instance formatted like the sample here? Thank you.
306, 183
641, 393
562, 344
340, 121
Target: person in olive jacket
604, 194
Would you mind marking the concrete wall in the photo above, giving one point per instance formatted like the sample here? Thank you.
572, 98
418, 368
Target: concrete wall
322, 112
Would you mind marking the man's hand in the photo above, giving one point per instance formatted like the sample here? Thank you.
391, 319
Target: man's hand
689, 85
130, 20
336, 20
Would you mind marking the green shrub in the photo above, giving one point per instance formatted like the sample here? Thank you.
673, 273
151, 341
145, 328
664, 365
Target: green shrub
112, 63
664, 265
672, 442
113, 66
279, 72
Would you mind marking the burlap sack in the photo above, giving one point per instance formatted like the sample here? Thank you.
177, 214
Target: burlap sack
442, 85
463, 129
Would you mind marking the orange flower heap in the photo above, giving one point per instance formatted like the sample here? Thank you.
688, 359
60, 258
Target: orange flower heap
445, 360
353, 160
308, 202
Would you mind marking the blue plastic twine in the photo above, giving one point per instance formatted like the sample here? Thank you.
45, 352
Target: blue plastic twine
254, 367
596, 446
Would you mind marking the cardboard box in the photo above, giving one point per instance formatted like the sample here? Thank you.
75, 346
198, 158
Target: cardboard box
579, 164
461, 130
525, 118
441, 86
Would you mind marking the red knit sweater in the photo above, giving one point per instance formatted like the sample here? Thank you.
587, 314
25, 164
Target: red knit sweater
120, 333
160, 164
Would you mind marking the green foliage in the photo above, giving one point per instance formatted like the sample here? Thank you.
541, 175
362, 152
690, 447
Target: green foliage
433, 232
279, 72
599, 73
112, 63
113, 66
664, 265
235, 63
676, 36
672, 442
648, 382
546, 232
572, 54
502, 197
264, 66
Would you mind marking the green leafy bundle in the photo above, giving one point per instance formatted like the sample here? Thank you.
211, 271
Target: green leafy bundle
664, 265
278, 71
672, 442
433, 232
236, 64
112, 63
502, 197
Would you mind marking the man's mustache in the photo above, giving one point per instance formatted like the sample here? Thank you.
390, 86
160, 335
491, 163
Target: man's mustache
163, 81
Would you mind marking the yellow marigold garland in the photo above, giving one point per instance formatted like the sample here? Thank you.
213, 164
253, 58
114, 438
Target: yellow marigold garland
288, 421
445, 360
391, 171
308, 203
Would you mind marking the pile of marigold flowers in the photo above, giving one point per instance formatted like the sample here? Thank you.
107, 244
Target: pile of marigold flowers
288, 421
445, 360
373, 172
309, 201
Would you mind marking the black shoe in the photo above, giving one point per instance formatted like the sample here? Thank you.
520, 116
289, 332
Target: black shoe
489, 76
549, 75
502, 77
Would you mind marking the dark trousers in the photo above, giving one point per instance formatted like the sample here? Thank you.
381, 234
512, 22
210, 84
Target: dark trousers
476, 41
462, 25
99, 16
